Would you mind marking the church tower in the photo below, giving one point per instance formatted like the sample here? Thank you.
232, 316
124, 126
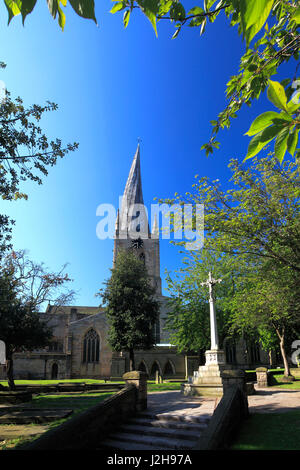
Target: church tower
132, 225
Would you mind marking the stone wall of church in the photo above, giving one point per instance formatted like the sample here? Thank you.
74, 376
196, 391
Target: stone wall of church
77, 332
164, 333
161, 358
41, 366
38, 364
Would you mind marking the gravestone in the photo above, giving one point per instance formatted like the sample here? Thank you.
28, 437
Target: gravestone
262, 377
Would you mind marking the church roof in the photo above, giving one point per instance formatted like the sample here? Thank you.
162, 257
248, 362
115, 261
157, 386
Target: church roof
75, 309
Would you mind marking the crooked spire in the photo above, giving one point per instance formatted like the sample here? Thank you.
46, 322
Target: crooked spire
129, 218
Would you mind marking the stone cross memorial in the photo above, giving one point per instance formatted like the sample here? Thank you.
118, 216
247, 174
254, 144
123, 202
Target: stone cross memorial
207, 380
212, 309
214, 355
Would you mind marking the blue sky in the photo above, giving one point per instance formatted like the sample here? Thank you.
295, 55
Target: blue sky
113, 86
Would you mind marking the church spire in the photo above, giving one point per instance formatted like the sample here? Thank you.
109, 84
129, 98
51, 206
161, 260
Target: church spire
132, 225
133, 195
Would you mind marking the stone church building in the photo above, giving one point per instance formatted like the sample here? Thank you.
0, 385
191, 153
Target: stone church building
79, 348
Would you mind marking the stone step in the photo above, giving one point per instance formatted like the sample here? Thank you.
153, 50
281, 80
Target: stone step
197, 427
205, 381
153, 441
160, 432
176, 418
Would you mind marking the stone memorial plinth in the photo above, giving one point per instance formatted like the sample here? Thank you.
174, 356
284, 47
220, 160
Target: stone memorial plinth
207, 380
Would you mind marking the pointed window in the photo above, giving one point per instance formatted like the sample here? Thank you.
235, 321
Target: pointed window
168, 370
91, 347
156, 332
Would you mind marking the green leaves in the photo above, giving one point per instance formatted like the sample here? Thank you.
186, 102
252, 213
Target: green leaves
276, 95
296, 16
150, 8
254, 14
281, 143
177, 12
271, 124
118, 6
126, 18
83, 8
262, 121
261, 140
292, 142
13, 8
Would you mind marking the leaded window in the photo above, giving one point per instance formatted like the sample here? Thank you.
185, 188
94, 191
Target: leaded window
91, 347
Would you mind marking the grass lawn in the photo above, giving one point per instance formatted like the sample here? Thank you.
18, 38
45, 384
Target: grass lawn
277, 382
152, 386
278, 431
55, 382
77, 403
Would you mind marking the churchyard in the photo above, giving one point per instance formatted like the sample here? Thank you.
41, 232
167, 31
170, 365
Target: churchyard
12, 434
262, 430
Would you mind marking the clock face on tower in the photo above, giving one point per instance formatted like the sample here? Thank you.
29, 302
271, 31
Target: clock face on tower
137, 243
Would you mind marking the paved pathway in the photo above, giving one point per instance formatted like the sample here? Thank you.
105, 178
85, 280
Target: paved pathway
271, 400
176, 404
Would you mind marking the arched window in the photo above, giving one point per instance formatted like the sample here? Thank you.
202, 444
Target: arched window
230, 352
54, 371
154, 368
142, 367
91, 347
156, 331
254, 353
168, 369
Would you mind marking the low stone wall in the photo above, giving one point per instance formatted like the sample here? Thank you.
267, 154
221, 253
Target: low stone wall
226, 420
86, 430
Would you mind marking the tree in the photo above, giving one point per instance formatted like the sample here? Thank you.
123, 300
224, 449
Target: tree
34, 284
25, 286
257, 224
83, 8
273, 23
258, 218
25, 152
269, 302
20, 327
130, 304
275, 26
